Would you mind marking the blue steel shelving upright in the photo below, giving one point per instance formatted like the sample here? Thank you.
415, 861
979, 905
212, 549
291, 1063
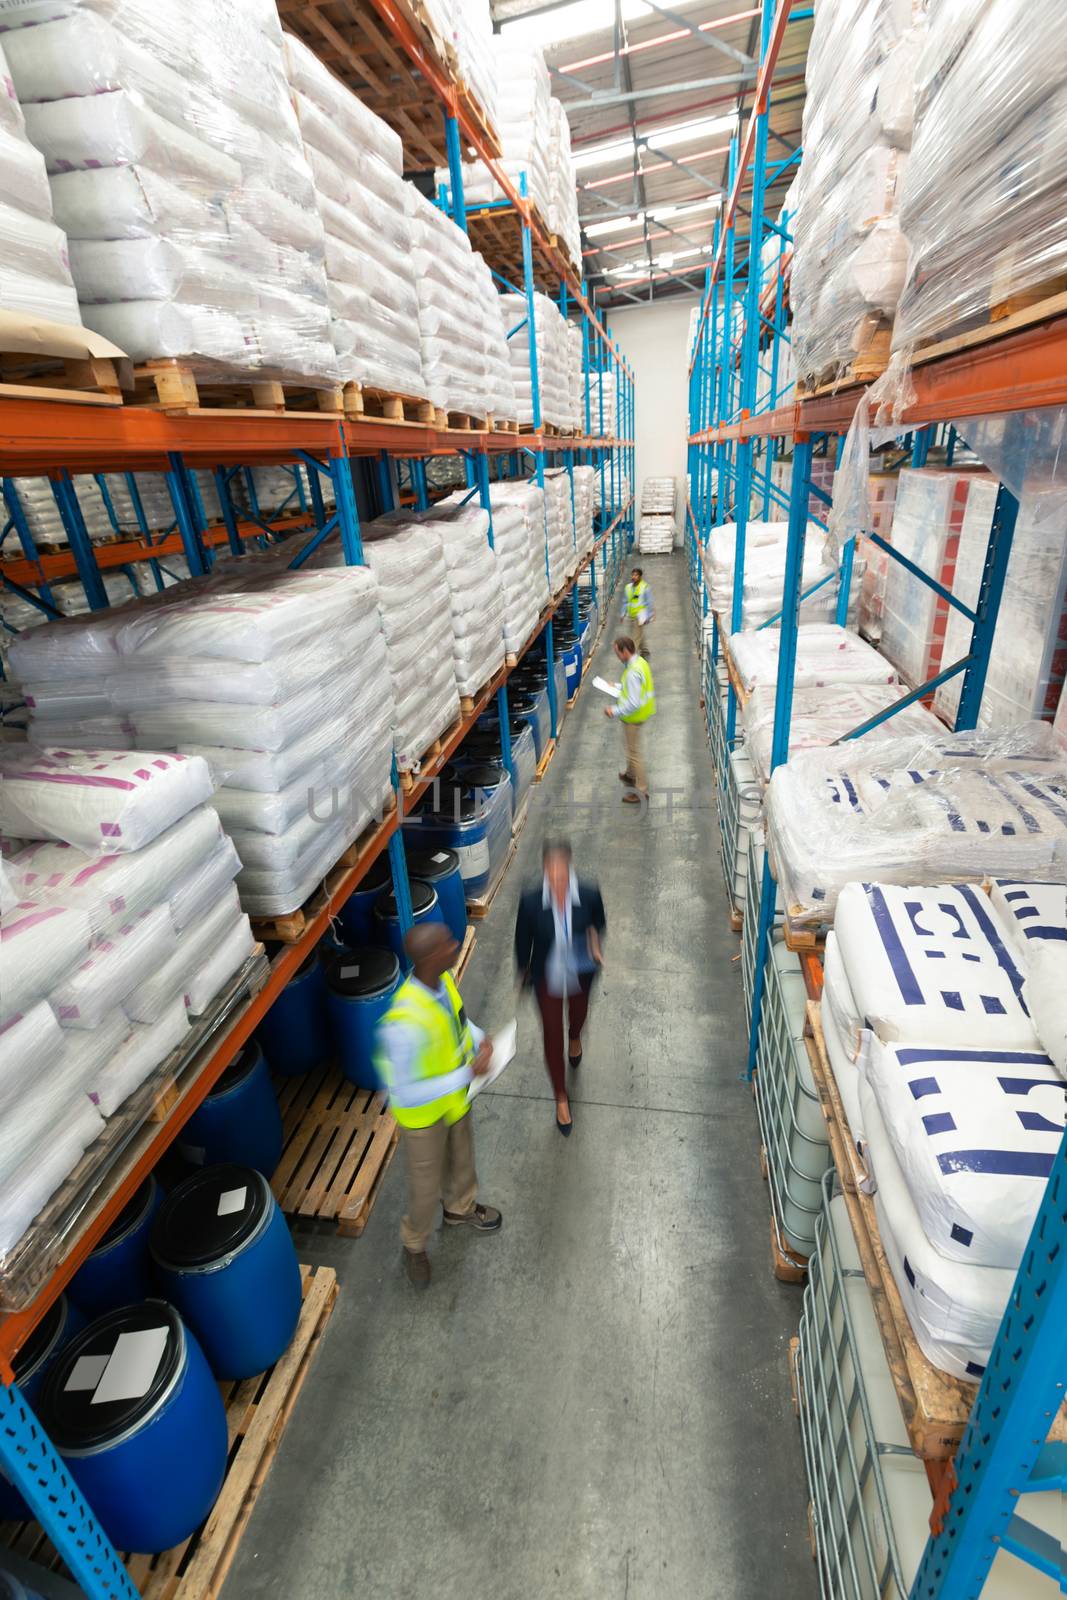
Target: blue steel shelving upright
1003, 1455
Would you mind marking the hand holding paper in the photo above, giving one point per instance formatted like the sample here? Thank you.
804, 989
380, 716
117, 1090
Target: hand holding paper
503, 1052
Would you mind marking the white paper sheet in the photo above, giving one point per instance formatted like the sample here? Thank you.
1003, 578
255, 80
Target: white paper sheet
503, 1052
607, 688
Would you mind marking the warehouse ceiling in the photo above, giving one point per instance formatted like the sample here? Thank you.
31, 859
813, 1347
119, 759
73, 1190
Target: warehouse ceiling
653, 92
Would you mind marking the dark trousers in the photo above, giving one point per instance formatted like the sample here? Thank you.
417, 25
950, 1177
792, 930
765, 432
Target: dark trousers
551, 1008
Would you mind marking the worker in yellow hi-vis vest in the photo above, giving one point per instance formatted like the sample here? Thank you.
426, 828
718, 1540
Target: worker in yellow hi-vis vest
428, 1052
635, 704
637, 612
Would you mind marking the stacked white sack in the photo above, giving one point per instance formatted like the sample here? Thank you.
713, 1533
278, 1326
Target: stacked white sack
822, 715
575, 392
659, 496
563, 191
178, 174
603, 406
35, 278
983, 198
126, 929
279, 678
958, 805
826, 655
520, 564
356, 162
559, 526
764, 581
474, 589
413, 598
948, 1087
849, 254
500, 386
524, 125
551, 341
583, 508
655, 535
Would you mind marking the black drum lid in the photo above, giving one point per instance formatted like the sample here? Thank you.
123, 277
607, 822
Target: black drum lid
210, 1215
112, 1376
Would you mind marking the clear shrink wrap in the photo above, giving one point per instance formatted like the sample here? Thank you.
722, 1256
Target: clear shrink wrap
826, 655
850, 255
821, 716
550, 334
764, 581
35, 278
518, 543
524, 127
176, 163
958, 806
449, 289
983, 199
99, 801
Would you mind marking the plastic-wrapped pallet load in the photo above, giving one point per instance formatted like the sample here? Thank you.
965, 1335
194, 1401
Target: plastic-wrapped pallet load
518, 542
475, 595
363, 203
765, 552
35, 278
957, 805
982, 201
551, 340
603, 406
179, 177
849, 256
562, 216
931, 505
279, 678
524, 126
583, 508
655, 535
822, 715
1029, 652
659, 496
826, 655
562, 558
453, 345
125, 930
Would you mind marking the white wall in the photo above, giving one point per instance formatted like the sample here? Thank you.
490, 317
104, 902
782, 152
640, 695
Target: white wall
653, 339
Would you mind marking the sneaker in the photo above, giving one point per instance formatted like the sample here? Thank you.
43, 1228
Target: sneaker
417, 1263
626, 777
485, 1219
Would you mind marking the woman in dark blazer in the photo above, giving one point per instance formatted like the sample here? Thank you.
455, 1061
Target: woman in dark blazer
558, 953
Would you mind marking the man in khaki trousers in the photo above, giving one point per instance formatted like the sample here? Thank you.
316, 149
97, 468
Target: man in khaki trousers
428, 1052
635, 704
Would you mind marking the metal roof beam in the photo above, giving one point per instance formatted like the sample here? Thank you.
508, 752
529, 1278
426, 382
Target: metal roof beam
682, 166
702, 37
745, 75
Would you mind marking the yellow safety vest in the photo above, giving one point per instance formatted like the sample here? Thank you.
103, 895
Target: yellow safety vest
437, 1084
635, 598
646, 705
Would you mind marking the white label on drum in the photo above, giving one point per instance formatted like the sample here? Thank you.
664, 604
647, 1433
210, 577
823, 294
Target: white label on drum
350, 972
86, 1372
473, 858
232, 1200
442, 855
133, 1366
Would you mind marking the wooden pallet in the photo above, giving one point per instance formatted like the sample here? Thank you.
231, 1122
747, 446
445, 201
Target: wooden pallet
90, 380
339, 1141
519, 822
787, 1266
384, 405
290, 926
467, 702
466, 950
1021, 310
794, 1376
480, 907
502, 425
542, 765
178, 389
257, 1411
410, 776
869, 362
468, 422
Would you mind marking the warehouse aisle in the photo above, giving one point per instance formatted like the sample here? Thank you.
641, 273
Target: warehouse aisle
595, 1402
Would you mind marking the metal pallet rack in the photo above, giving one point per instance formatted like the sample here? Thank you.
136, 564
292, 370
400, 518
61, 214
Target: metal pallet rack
58, 440
733, 442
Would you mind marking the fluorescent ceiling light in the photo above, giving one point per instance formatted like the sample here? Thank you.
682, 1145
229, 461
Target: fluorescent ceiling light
662, 138
654, 214
575, 21
614, 225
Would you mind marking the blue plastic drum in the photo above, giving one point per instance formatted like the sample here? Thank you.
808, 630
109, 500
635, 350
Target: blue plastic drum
31, 1366
440, 869
239, 1119
293, 1034
12, 1589
134, 1411
572, 666
425, 907
357, 914
119, 1272
362, 983
223, 1255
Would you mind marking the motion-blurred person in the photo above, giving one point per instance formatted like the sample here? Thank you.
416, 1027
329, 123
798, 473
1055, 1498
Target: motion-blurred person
558, 953
635, 704
428, 1051
637, 612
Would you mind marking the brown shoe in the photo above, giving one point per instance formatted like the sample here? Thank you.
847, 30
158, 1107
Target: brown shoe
484, 1219
626, 777
632, 798
417, 1263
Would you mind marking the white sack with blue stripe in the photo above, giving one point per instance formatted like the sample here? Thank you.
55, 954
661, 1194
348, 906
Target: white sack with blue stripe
975, 1132
932, 965
1035, 916
954, 1310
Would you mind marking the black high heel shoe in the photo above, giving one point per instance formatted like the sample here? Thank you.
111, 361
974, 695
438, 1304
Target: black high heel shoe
565, 1127
575, 1061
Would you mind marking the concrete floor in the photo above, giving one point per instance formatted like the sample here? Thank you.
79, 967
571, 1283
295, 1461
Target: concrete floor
593, 1403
